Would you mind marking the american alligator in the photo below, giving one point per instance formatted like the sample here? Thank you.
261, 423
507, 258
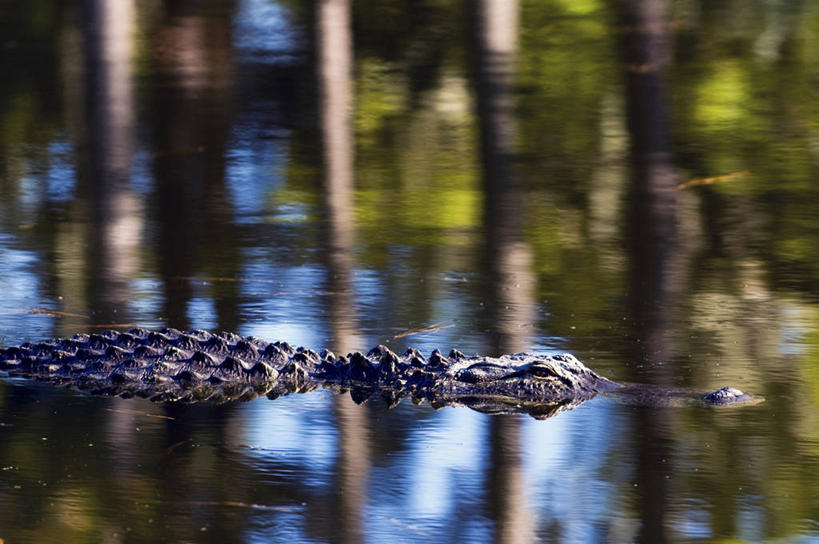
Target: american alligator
175, 366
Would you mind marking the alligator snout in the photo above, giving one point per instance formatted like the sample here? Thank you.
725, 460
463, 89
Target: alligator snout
730, 395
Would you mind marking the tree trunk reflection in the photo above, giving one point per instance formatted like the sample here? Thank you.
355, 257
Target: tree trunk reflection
334, 67
508, 258
194, 71
116, 219
655, 264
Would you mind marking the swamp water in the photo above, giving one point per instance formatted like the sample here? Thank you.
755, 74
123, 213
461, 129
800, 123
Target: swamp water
632, 182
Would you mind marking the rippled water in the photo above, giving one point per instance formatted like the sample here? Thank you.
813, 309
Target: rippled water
632, 182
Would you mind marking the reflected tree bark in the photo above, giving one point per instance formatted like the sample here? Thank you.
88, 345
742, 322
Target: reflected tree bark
655, 268
115, 229
334, 69
194, 75
116, 221
334, 65
508, 258
653, 212
192, 85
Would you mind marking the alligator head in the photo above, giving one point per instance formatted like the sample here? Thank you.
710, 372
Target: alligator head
534, 378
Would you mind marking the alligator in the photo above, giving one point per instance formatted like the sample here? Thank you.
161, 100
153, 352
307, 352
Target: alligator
169, 365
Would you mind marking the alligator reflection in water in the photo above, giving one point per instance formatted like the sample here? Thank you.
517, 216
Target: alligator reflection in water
176, 366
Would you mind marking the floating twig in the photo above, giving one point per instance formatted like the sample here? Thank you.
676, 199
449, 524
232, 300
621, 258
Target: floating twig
174, 446
419, 330
714, 179
236, 504
55, 313
138, 413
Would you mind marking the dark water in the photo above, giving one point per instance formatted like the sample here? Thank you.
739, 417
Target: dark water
630, 181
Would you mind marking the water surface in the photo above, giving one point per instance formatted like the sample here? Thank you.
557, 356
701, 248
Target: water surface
633, 182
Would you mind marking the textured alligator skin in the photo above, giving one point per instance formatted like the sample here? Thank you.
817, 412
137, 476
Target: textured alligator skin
172, 365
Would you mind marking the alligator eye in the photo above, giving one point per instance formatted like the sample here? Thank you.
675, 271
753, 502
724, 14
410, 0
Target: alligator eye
541, 371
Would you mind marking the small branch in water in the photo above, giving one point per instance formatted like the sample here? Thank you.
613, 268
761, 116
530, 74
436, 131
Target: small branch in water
419, 330
236, 504
714, 179
174, 446
138, 413
55, 313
